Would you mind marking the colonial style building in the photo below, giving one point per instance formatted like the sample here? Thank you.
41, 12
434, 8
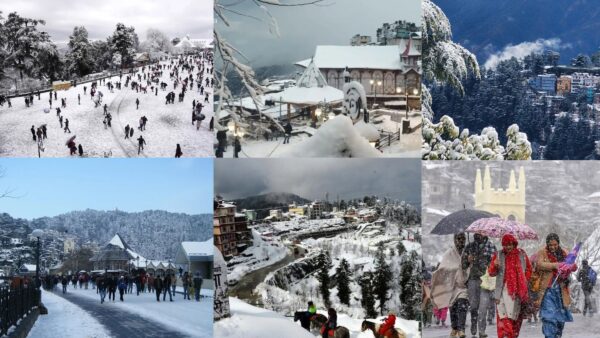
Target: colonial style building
391, 70
113, 256
507, 203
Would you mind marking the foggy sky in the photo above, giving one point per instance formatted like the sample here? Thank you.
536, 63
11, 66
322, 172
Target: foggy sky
312, 178
303, 28
174, 18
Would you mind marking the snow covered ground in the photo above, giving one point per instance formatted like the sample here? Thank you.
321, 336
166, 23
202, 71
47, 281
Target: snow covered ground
168, 125
337, 137
186, 316
258, 256
581, 327
66, 320
252, 322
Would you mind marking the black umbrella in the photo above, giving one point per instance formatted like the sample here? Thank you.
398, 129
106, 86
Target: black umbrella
458, 221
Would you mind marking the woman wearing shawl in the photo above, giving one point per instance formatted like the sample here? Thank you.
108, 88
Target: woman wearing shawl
448, 287
554, 298
512, 270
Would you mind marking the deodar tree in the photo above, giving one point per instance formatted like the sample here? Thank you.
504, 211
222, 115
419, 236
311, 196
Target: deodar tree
446, 62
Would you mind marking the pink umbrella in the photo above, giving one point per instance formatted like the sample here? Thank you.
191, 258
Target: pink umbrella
497, 227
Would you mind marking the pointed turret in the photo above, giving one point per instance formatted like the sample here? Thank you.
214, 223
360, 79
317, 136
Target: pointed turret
512, 183
487, 179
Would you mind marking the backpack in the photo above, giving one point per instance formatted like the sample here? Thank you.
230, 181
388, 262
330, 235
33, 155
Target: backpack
592, 277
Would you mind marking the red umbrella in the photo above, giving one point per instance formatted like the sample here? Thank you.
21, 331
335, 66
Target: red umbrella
70, 140
497, 227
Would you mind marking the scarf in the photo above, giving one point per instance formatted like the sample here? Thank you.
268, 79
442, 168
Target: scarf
555, 257
514, 275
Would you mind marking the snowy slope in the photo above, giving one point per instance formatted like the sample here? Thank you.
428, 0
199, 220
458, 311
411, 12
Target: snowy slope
252, 322
167, 125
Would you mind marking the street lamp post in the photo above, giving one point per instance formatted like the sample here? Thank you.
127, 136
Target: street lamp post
372, 82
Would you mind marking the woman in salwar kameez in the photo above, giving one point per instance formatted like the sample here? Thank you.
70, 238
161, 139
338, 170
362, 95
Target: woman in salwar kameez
554, 297
512, 270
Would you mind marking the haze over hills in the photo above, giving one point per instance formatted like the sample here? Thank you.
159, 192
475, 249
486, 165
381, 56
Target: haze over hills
267, 201
486, 27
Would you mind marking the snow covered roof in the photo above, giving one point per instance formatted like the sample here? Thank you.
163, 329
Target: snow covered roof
119, 241
195, 252
353, 57
595, 195
308, 96
311, 77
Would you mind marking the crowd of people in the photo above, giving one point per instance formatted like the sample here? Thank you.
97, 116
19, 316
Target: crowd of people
187, 73
109, 283
508, 284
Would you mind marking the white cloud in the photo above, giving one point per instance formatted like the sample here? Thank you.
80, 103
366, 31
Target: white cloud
523, 49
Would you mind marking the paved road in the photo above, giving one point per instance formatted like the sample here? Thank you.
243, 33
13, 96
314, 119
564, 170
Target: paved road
121, 324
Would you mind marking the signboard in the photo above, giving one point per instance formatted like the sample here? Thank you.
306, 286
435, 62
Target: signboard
221, 298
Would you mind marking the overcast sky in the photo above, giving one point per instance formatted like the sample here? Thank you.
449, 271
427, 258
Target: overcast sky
312, 178
303, 28
174, 18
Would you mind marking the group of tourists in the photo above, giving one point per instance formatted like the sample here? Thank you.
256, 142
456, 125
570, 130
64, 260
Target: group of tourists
110, 283
479, 280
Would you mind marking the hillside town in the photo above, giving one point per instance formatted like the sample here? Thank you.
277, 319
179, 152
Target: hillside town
274, 262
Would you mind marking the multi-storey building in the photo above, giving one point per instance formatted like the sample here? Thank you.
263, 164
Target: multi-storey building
230, 230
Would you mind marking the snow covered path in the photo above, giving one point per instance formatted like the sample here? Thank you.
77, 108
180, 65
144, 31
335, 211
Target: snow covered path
66, 320
143, 314
168, 125
119, 322
581, 327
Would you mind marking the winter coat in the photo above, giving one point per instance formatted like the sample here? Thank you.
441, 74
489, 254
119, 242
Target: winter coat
158, 283
545, 269
482, 256
197, 282
288, 128
583, 276
122, 284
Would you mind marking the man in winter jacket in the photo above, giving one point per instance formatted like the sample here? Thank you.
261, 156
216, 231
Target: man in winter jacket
587, 286
158, 285
167, 288
197, 285
476, 259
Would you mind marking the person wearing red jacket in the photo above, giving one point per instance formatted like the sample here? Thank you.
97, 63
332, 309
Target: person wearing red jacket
512, 270
388, 324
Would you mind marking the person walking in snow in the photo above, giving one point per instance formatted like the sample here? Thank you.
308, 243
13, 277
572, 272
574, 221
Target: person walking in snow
141, 143
64, 281
127, 131
112, 287
60, 120
101, 285
44, 131
178, 151
78, 99
554, 300
512, 270
137, 103
158, 285
288, 132
167, 288
173, 283
475, 261
39, 133
186, 284
33, 133
105, 109
122, 285
448, 286
80, 149
587, 277
67, 126
197, 285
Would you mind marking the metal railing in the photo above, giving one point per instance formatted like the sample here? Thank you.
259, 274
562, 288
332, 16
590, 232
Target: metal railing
387, 140
16, 304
